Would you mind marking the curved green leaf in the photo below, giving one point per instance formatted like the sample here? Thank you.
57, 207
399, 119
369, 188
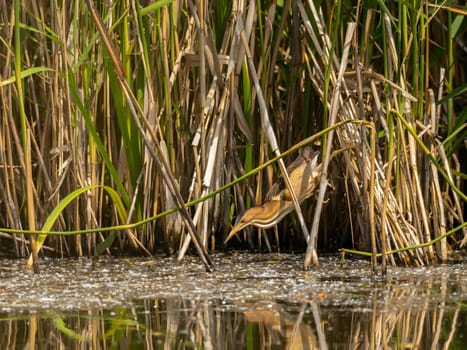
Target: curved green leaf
25, 73
53, 216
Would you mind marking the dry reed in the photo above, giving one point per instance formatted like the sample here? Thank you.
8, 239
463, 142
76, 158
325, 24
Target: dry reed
166, 103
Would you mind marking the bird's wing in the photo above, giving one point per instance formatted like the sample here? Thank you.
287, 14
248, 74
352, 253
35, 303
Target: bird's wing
297, 168
278, 186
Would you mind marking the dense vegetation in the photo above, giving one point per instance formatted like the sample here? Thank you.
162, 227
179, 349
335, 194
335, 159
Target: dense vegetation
163, 102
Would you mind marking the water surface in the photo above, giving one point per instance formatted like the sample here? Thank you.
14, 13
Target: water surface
263, 301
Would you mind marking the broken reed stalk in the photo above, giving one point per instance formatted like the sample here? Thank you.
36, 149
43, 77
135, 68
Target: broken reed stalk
136, 111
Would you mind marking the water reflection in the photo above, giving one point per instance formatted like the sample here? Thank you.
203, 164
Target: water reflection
165, 306
212, 324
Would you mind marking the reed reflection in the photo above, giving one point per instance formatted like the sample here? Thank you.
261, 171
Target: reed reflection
259, 324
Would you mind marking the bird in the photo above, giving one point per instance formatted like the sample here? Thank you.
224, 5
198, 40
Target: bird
304, 173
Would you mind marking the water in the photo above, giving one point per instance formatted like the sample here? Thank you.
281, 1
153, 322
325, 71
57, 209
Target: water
249, 301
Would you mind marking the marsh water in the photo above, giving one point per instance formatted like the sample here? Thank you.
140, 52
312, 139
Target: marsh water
249, 301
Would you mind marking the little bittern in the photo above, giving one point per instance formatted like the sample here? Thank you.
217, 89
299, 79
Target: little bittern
304, 173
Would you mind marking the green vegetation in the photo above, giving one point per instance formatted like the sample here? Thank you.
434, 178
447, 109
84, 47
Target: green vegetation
114, 116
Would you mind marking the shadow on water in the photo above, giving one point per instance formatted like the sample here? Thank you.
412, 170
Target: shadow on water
250, 301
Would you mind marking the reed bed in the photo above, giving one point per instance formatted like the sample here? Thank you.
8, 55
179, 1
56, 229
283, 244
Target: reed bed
114, 115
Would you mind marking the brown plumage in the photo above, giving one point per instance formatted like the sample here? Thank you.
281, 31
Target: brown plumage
263, 216
304, 173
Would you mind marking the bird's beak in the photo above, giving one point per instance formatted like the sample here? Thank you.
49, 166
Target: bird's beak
239, 224
233, 232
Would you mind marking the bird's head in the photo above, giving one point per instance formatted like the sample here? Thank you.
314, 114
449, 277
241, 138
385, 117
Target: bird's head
242, 220
263, 216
